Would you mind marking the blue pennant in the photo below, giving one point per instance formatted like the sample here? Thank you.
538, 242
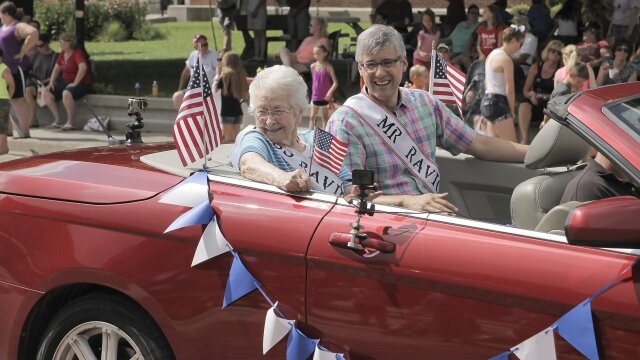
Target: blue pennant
503, 356
299, 347
200, 178
240, 282
576, 327
200, 214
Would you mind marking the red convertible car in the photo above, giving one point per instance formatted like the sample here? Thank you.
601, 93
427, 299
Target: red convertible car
86, 271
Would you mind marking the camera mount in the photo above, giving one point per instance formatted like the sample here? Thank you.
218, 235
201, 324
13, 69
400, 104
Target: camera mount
363, 179
135, 107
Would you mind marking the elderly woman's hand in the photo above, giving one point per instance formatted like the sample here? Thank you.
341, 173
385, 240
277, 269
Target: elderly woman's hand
294, 181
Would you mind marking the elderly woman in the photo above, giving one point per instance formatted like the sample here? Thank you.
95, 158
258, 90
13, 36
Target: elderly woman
273, 151
70, 80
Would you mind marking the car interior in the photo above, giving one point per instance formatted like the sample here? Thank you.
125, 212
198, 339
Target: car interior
525, 196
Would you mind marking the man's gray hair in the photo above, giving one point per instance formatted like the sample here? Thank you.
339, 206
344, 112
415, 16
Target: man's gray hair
378, 37
279, 81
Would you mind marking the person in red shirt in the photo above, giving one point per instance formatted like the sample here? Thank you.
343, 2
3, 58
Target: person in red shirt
70, 80
489, 32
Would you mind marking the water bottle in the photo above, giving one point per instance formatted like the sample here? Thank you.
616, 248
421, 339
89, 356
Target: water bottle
154, 88
138, 90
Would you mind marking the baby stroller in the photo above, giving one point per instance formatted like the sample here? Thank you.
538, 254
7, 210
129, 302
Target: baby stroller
473, 92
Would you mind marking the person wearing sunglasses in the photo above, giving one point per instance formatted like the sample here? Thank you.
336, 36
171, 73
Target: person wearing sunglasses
538, 88
394, 131
461, 38
619, 69
209, 62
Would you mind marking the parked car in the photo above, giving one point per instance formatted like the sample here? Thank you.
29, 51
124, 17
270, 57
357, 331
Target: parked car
86, 271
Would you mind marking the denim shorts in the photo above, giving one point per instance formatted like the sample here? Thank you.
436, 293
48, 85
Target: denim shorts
495, 107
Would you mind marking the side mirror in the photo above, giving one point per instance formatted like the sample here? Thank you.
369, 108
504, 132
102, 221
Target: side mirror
610, 223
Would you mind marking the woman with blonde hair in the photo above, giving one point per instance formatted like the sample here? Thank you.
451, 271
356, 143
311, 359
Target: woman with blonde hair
233, 83
303, 57
538, 88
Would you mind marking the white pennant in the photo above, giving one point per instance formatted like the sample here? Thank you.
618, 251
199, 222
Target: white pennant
212, 243
186, 194
321, 354
538, 347
275, 328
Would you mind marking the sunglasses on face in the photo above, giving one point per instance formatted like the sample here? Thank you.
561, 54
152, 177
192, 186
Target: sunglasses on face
555, 51
622, 48
474, 13
39, 45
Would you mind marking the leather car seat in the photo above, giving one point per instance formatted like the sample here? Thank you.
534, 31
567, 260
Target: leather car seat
554, 146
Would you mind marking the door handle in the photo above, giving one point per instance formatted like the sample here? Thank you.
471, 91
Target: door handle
369, 241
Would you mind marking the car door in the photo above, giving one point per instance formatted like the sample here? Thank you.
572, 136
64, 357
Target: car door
458, 289
270, 230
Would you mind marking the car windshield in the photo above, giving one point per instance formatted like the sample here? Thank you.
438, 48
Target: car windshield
628, 112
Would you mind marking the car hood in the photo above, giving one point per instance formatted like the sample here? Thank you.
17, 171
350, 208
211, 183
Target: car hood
104, 175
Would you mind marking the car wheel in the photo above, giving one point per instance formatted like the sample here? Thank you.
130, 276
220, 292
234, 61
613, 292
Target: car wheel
100, 326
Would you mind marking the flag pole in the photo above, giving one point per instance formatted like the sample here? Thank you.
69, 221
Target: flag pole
433, 62
313, 146
204, 113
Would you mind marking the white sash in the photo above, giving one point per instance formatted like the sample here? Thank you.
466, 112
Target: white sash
395, 136
322, 179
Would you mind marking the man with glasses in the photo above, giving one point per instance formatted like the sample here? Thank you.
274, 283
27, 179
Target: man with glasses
394, 131
209, 62
43, 61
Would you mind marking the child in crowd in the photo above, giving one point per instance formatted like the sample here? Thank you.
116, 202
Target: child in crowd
428, 34
419, 77
7, 87
324, 83
233, 83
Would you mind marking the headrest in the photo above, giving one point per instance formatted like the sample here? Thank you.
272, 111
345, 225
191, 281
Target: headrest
555, 145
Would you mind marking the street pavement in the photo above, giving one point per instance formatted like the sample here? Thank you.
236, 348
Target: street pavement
43, 141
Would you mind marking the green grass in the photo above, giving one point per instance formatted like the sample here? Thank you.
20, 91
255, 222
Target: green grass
120, 64
177, 44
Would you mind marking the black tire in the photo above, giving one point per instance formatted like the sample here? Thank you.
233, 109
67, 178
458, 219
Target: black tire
131, 323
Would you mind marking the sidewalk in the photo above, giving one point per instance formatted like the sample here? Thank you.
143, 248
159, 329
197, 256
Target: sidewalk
44, 141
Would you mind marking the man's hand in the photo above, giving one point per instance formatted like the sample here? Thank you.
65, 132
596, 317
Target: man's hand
294, 181
354, 193
429, 203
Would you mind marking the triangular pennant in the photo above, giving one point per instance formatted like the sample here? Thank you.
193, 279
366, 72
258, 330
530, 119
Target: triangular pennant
200, 214
537, 347
239, 284
576, 327
190, 192
323, 354
275, 328
212, 243
299, 346
503, 356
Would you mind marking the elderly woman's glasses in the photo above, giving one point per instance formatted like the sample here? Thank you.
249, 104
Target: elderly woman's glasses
372, 66
277, 114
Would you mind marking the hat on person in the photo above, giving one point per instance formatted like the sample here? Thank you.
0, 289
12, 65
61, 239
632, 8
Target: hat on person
199, 37
442, 46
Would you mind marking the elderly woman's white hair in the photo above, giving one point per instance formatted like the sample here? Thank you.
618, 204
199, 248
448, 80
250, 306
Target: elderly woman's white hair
278, 81
378, 37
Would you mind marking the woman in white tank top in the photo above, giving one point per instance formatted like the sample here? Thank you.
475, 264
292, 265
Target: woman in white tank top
499, 101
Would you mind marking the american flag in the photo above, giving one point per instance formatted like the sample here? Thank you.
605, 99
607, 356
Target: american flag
448, 82
329, 152
197, 129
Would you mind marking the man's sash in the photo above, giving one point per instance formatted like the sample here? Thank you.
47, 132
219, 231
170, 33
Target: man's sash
322, 179
396, 137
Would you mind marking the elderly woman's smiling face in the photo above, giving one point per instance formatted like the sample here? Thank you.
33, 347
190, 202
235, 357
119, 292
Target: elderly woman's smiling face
278, 119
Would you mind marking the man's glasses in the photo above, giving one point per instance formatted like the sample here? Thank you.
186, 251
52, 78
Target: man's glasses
277, 114
622, 48
372, 66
